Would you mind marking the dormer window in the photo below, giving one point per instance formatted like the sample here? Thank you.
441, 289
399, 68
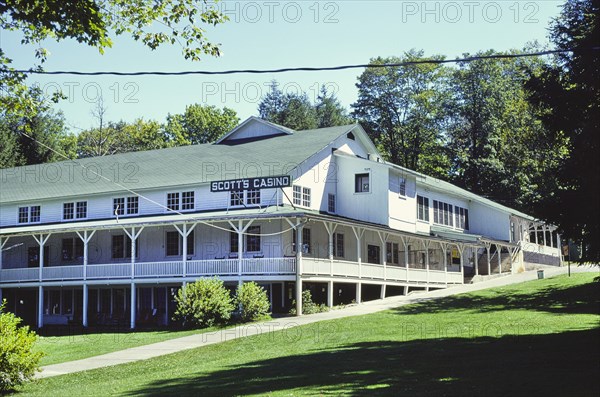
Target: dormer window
76, 210
29, 214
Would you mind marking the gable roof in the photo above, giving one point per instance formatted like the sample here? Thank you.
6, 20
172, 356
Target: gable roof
274, 128
164, 168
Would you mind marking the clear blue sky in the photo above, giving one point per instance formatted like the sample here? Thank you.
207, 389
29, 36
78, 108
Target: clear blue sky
273, 34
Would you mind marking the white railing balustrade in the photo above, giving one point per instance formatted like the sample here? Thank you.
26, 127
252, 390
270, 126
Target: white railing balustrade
113, 270
395, 273
18, 275
62, 273
370, 270
269, 266
158, 269
217, 267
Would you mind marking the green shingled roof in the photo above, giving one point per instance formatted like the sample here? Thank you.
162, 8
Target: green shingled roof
180, 166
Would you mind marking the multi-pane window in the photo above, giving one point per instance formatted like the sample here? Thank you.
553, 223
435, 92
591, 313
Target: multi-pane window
81, 210
443, 213
174, 244
253, 239
68, 211
34, 213
121, 247
29, 214
306, 246
133, 205
187, 201
253, 197
75, 210
422, 208
338, 245
119, 206
331, 203
72, 248
297, 195
233, 241
461, 216
306, 197
236, 198
392, 253
402, 186
373, 253
361, 183
173, 201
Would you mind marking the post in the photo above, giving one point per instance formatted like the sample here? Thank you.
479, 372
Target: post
383, 237
133, 309
84, 309
475, 262
558, 244
535, 234
330, 227
3, 242
86, 239
40, 321
544, 231
358, 292
489, 263
240, 250
499, 252
426, 245
330, 293
461, 250
405, 245
383, 286
184, 249
358, 233
299, 244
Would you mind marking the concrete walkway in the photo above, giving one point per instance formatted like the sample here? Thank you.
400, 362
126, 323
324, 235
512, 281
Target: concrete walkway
205, 339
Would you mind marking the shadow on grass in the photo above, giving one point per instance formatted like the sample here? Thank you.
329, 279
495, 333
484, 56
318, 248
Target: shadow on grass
576, 299
554, 364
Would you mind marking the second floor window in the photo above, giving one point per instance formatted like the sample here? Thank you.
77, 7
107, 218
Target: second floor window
338, 245
331, 203
236, 198
392, 253
306, 246
129, 205
423, 208
361, 183
76, 210
253, 197
72, 249
121, 247
253, 239
373, 254
187, 201
297, 195
29, 214
306, 197
174, 244
173, 201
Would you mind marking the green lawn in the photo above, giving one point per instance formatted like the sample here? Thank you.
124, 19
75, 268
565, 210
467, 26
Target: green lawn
59, 349
536, 338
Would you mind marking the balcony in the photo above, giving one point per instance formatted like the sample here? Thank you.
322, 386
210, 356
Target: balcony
146, 270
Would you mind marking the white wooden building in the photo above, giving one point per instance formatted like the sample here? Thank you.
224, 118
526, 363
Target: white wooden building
86, 241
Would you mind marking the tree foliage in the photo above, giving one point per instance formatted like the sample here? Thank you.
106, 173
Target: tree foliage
402, 110
203, 303
18, 361
253, 302
568, 91
199, 124
296, 111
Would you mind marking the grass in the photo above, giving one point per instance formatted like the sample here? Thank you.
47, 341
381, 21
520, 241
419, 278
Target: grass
80, 345
535, 338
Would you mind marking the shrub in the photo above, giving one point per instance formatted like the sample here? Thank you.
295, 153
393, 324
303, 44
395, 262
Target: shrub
253, 302
18, 363
308, 306
203, 304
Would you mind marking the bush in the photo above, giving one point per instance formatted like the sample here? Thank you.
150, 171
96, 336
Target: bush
253, 302
308, 306
18, 363
203, 304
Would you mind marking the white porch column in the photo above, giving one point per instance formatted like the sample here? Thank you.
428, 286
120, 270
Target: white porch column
358, 233
40, 321
489, 262
535, 233
426, 244
383, 237
475, 261
240, 229
184, 232
330, 227
404, 241
330, 293
133, 235
86, 237
544, 231
461, 250
558, 244
499, 252
383, 287
444, 248
299, 244
41, 241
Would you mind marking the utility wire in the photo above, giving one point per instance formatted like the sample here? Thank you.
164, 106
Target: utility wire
306, 69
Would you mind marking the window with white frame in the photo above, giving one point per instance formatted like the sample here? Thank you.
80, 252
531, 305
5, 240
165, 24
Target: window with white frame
423, 208
338, 245
361, 183
253, 197
133, 205
461, 217
236, 198
81, 210
306, 197
125, 205
402, 187
187, 201
29, 214
306, 246
173, 201
331, 203
119, 206
297, 195
174, 244
68, 211
443, 213
392, 253
72, 249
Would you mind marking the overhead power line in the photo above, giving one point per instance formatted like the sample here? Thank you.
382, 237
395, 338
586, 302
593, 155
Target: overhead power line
304, 69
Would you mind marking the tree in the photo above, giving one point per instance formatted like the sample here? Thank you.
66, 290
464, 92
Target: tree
568, 91
203, 303
296, 111
18, 361
253, 302
200, 124
402, 110
330, 111
38, 138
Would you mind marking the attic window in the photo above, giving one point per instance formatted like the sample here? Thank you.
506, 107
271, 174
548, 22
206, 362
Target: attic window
350, 136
